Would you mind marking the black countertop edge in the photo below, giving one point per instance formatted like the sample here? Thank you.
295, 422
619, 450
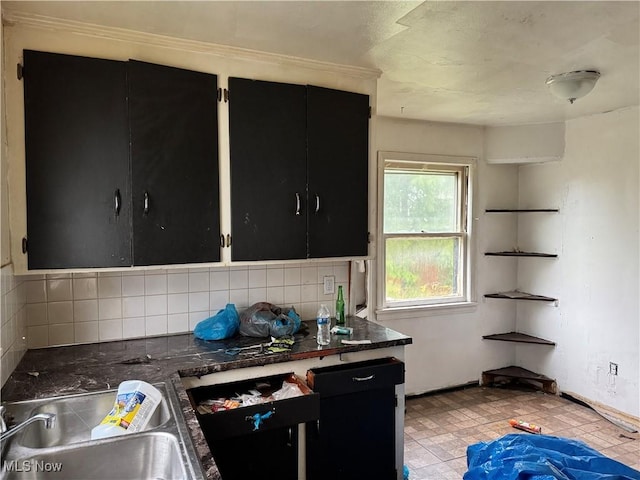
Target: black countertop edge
57, 371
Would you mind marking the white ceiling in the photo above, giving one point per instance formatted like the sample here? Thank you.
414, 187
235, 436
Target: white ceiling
479, 62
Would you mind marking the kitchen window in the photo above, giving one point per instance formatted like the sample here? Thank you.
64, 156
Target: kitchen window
424, 230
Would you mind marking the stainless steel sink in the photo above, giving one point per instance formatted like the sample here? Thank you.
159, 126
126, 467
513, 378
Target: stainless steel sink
163, 451
76, 415
132, 457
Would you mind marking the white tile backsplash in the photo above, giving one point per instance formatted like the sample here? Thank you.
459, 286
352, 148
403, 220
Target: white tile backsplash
132, 285
86, 332
309, 275
275, 295
177, 303
156, 325
85, 310
36, 314
36, 291
109, 308
257, 295
155, 284
109, 287
238, 279
38, 337
219, 280
199, 301
198, 281
275, 277
133, 327
240, 298
178, 323
95, 307
155, 305
85, 288
133, 307
61, 334
292, 276
257, 278
59, 290
110, 329
218, 300
178, 282
59, 312
14, 329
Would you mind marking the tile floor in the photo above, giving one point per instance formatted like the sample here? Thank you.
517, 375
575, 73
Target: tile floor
440, 426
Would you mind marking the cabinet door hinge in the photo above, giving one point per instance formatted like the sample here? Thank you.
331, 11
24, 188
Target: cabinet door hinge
20, 71
396, 401
226, 95
369, 112
368, 237
24, 245
219, 94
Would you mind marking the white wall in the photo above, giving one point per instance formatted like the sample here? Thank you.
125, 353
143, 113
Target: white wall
524, 143
12, 291
447, 348
595, 233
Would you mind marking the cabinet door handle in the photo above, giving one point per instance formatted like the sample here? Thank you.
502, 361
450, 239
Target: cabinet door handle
317, 203
364, 379
297, 203
146, 203
228, 240
116, 201
221, 241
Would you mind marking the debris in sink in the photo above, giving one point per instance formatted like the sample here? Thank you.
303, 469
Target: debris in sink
134, 405
262, 393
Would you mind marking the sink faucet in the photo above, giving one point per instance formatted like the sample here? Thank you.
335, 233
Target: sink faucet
49, 420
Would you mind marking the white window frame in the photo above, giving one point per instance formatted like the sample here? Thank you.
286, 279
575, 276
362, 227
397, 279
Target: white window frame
467, 294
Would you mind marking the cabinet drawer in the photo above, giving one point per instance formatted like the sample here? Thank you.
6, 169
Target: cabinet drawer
356, 377
237, 422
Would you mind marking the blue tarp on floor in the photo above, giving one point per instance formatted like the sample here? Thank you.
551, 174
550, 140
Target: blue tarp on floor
542, 457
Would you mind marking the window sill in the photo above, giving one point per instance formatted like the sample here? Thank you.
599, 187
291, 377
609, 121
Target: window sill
391, 313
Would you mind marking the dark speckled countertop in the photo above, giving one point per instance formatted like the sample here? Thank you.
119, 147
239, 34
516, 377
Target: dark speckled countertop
59, 371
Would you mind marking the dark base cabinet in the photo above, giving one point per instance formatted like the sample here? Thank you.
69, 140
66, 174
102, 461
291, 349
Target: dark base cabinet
242, 453
355, 436
264, 455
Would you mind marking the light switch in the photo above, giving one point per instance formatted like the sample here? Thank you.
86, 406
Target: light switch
329, 283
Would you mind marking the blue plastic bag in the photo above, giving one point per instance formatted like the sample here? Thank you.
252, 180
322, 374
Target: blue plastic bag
223, 324
542, 457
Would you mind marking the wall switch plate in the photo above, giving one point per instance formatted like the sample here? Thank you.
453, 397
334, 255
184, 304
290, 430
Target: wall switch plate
329, 284
613, 368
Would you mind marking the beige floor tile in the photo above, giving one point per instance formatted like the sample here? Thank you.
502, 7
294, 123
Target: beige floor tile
440, 427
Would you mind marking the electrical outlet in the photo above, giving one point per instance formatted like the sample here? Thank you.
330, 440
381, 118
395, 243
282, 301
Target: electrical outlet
329, 284
613, 368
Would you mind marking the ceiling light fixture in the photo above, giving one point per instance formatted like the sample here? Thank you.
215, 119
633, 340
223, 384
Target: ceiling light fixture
573, 85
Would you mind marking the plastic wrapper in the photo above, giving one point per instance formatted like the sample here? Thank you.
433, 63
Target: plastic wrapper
542, 457
288, 390
265, 319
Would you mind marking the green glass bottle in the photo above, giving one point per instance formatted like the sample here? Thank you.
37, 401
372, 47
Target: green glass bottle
340, 307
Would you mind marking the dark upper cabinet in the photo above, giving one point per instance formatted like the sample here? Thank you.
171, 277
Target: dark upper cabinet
268, 150
338, 173
121, 163
77, 161
299, 171
174, 165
